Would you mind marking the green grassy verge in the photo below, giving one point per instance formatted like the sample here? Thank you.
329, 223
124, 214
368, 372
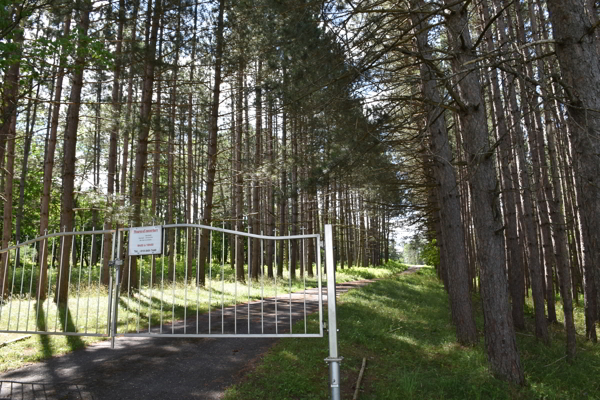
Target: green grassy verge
402, 326
174, 301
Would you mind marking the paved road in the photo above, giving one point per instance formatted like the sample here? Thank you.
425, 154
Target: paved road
164, 368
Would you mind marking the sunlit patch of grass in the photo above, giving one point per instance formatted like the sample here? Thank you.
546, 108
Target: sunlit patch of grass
402, 326
370, 272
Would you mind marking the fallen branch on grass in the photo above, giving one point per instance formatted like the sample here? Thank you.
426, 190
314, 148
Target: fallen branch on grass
360, 376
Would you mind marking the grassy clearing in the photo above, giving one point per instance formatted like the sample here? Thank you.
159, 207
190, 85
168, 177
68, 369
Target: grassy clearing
402, 326
88, 308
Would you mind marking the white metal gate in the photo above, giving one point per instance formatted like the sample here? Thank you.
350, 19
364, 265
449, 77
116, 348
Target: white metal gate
87, 284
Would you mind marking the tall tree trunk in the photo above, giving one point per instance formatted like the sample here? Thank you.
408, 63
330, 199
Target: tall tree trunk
342, 225
156, 166
10, 89
554, 195
533, 123
232, 186
239, 176
190, 154
452, 229
8, 134
29, 127
70, 155
141, 155
294, 199
8, 137
528, 217
310, 223
363, 236
256, 180
171, 190
153, 15
350, 229
114, 138
578, 55
157, 130
499, 331
49, 165
129, 113
560, 245
270, 191
283, 189
212, 147
171, 187
514, 264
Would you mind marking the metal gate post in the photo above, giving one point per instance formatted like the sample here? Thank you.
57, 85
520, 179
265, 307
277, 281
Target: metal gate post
116, 262
334, 359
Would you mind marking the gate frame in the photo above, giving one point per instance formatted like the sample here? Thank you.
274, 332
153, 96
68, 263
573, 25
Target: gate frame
116, 262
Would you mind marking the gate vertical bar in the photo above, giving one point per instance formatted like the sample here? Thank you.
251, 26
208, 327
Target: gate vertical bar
319, 280
334, 359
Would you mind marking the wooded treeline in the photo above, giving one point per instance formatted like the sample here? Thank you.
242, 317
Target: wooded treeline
227, 113
479, 119
497, 105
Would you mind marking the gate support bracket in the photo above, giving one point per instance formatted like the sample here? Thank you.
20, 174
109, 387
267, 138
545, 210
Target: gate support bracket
334, 375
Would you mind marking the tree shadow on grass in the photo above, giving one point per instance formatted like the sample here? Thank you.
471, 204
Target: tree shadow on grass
74, 342
47, 351
128, 311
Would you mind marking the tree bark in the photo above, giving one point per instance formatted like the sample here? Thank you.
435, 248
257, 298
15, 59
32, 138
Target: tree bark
146, 110
70, 156
141, 155
283, 189
49, 165
239, 176
446, 185
270, 244
171, 191
515, 264
114, 138
8, 137
256, 180
190, 158
212, 147
499, 331
293, 248
578, 55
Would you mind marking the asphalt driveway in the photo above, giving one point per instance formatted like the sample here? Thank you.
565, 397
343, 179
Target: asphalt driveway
163, 367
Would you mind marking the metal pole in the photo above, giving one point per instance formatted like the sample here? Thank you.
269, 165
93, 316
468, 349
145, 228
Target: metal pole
113, 256
117, 264
334, 359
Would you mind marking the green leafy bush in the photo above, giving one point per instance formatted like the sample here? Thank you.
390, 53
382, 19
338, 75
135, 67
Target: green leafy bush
431, 253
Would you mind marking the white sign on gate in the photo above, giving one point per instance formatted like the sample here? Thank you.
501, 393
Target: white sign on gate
145, 240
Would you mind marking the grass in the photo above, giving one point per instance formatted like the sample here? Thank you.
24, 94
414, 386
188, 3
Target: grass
402, 326
137, 309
